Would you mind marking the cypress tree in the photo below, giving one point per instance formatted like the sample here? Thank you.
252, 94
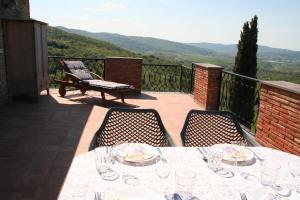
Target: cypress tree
243, 91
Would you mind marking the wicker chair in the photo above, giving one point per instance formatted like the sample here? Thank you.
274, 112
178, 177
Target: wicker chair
206, 128
132, 125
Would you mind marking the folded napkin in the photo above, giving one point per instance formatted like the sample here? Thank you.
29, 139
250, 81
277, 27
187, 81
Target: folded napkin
138, 156
240, 154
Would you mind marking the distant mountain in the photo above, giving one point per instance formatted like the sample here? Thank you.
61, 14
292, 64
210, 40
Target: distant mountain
61, 43
264, 52
144, 45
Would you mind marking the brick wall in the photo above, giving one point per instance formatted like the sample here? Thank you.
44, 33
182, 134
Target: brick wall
278, 123
124, 70
207, 85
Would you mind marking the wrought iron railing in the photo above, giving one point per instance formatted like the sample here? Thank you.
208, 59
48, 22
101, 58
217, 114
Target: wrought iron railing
95, 65
155, 77
167, 78
240, 94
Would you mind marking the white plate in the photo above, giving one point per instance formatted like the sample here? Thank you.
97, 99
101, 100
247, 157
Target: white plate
243, 155
138, 193
137, 154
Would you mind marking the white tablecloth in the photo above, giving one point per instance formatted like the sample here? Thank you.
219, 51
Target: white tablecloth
83, 177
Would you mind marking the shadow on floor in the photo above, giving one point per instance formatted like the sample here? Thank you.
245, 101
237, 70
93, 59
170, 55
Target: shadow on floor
37, 144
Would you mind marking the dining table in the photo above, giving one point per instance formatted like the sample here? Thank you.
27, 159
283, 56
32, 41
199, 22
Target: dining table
84, 182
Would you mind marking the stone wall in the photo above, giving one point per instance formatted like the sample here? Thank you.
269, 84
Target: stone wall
278, 123
207, 85
15, 9
9, 9
124, 70
3, 82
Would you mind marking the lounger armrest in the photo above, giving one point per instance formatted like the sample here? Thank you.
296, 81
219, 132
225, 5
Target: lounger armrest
99, 77
73, 77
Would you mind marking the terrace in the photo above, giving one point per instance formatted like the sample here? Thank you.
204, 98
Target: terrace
40, 140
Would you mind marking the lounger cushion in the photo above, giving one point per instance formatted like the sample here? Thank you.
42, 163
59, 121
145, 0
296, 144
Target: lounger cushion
105, 84
78, 69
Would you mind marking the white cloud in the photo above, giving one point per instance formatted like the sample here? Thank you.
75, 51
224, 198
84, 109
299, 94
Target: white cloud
106, 6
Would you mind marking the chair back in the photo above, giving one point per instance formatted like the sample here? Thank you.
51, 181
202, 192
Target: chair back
77, 68
206, 128
132, 125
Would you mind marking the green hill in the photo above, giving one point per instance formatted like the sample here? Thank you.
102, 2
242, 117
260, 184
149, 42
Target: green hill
61, 43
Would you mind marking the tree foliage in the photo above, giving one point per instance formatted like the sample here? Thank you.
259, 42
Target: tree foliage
244, 92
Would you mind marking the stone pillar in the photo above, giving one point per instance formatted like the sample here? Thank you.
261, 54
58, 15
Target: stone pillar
278, 124
207, 85
124, 70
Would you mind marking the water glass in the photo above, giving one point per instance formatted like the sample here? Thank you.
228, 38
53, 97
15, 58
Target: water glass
270, 169
184, 182
214, 156
103, 159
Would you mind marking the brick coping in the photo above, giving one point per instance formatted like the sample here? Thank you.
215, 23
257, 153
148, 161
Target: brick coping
207, 65
284, 85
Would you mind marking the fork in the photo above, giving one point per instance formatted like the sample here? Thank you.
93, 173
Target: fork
203, 154
243, 196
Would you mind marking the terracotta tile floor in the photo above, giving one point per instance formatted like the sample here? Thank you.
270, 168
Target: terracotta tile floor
39, 140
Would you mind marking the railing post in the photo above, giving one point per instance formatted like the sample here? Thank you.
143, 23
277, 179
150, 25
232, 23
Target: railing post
192, 77
220, 88
180, 86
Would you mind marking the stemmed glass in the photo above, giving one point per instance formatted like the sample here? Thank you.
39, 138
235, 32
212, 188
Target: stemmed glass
294, 169
162, 170
120, 150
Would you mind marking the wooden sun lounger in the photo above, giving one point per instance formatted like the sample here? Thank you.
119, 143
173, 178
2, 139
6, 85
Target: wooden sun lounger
78, 77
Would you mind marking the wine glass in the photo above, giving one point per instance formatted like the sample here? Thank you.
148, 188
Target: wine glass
162, 167
163, 170
294, 169
120, 151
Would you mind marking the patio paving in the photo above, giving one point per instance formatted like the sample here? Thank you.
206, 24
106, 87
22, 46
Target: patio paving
39, 140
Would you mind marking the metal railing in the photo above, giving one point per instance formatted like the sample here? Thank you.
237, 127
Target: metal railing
167, 78
155, 77
240, 95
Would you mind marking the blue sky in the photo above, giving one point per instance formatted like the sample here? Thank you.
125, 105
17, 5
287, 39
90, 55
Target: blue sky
218, 21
